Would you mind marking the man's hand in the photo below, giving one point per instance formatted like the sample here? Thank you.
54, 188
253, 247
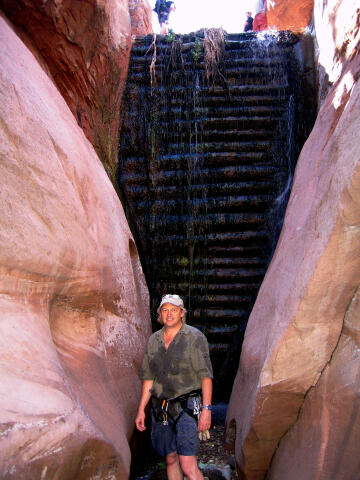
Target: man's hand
204, 420
145, 397
204, 423
140, 420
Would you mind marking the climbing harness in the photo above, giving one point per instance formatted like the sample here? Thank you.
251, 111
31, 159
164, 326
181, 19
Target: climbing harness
162, 412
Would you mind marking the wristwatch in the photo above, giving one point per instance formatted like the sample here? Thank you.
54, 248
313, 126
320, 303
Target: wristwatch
207, 407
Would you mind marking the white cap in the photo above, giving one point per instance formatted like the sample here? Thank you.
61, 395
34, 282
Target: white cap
173, 299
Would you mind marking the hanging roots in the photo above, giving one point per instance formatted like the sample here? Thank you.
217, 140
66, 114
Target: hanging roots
176, 57
152, 64
214, 49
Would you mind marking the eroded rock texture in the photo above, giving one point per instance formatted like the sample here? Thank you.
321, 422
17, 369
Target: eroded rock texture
295, 401
140, 15
337, 28
85, 45
74, 305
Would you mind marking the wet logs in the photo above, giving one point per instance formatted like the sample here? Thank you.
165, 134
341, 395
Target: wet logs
206, 162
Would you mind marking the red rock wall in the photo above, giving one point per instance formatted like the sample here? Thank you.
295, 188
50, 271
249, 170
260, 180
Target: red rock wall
289, 15
85, 45
294, 410
337, 28
73, 300
324, 441
140, 16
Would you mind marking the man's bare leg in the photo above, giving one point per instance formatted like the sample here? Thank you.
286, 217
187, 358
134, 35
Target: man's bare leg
173, 468
190, 468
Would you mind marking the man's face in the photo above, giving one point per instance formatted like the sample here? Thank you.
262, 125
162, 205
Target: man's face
171, 315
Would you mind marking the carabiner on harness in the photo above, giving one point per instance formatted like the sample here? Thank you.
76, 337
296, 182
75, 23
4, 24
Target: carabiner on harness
164, 409
197, 407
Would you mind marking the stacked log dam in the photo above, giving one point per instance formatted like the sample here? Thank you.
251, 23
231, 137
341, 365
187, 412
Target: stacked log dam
207, 154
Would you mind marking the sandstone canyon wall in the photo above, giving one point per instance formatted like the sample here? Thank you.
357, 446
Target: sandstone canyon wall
74, 305
294, 411
337, 24
289, 15
85, 46
334, 24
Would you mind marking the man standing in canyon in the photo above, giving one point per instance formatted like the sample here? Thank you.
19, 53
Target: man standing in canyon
176, 372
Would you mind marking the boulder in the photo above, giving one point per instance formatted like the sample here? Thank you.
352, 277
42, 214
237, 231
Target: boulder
74, 305
295, 398
85, 46
289, 15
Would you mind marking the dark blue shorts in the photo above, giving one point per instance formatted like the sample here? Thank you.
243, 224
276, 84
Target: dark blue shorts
179, 436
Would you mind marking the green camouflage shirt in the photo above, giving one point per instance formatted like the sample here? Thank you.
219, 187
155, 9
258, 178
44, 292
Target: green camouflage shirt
180, 368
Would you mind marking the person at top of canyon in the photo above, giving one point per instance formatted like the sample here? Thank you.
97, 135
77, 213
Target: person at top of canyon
163, 8
176, 376
249, 22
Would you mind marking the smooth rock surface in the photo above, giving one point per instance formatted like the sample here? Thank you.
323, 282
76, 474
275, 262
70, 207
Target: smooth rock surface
74, 305
323, 443
295, 397
85, 45
331, 412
